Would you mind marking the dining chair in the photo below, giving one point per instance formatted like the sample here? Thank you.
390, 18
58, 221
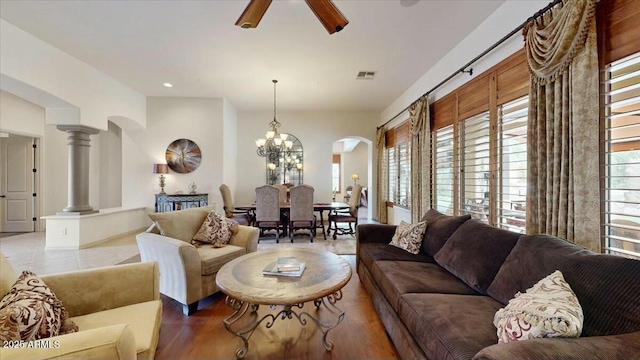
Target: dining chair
268, 209
349, 216
301, 211
243, 217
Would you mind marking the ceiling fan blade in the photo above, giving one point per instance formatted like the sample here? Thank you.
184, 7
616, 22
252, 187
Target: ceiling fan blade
328, 14
253, 13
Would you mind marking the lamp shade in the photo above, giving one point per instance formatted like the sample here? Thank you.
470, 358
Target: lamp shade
355, 177
160, 168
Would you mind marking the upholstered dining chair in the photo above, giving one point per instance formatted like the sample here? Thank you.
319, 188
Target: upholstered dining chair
349, 216
243, 217
268, 209
301, 212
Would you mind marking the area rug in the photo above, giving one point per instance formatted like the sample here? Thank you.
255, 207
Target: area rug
343, 245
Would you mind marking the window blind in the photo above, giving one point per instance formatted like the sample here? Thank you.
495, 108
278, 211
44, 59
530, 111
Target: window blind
443, 181
473, 137
621, 183
512, 164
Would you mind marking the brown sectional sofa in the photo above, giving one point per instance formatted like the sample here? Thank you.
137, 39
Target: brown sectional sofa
440, 303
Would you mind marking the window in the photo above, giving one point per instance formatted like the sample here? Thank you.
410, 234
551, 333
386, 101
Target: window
621, 185
398, 155
512, 164
335, 174
443, 170
474, 166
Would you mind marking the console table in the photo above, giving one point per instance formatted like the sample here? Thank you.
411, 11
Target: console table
171, 202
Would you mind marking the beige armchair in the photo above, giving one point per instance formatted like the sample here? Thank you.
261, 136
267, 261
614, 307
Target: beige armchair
117, 309
188, 273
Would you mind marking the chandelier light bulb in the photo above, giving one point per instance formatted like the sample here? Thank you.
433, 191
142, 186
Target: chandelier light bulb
270, 134
277, 141
272, 166
288, 144
284, 137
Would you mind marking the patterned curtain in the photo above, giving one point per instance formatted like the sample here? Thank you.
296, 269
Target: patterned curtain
383, 178
563, 175
420, 130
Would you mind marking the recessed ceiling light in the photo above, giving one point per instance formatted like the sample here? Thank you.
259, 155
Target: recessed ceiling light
168, 85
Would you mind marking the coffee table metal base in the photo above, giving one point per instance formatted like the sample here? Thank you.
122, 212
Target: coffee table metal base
240, 310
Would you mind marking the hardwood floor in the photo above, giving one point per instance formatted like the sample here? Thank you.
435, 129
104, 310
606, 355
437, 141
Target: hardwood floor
361, 335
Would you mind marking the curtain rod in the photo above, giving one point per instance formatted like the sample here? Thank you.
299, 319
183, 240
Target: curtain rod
470, 71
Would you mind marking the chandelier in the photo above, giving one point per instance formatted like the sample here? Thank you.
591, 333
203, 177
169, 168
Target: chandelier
275, 146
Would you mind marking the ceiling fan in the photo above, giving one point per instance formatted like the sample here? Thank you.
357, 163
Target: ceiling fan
325, 11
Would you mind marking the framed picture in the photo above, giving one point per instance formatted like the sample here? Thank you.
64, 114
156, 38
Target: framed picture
183, 156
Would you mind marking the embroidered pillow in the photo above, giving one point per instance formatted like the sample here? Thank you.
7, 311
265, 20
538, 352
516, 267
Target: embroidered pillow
31, 311
216, 230
548, 309
409, 236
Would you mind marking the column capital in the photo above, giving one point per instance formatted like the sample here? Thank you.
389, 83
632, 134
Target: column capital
78, 128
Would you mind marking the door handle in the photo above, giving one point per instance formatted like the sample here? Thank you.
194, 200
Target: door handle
3, 196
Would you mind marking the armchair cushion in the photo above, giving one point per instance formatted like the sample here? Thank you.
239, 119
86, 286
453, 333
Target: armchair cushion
182, 224
213, 258
216, 230
31, 311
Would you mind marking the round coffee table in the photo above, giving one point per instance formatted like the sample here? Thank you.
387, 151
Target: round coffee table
247, 288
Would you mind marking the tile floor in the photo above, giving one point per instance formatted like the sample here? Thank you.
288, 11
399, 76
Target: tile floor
26, 252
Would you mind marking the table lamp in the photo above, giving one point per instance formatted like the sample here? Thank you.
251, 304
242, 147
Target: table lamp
355, 178
161, 169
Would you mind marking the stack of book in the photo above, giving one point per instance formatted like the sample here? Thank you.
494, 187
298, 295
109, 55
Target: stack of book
285, 266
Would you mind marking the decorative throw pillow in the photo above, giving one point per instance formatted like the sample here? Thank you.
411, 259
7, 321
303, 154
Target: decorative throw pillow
31, 311
548, 309
409, 236
216, 230
182, 224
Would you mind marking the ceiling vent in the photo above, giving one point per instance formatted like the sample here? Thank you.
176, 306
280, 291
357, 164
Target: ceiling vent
366, 75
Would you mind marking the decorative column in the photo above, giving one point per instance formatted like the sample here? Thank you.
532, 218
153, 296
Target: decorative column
79, 142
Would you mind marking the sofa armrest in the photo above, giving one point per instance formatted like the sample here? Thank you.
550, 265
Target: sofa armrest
180, 266
88, 291
622, 346
246, 237
375, 233
109, 342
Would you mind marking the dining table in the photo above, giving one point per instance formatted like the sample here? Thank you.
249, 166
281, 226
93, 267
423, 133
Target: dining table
320, 207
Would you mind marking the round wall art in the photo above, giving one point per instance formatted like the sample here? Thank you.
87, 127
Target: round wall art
183, 156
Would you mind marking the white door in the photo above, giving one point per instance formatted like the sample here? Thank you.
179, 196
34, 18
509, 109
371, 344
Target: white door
16, 184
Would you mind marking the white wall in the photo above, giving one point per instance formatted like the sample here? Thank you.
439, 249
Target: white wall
316, 131
230, 148
49, 77
110, 167
169, 119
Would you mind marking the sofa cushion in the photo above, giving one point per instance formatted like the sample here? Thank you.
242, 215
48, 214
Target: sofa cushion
549, 309
182, 224
368, 253
448, 326
439, 228
213, 258
216, 230
607, 286
475, 252
143, 318
31, 311
409, 237
395, 278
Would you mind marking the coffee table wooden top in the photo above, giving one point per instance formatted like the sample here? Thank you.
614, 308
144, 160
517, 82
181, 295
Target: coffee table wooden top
242, 278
